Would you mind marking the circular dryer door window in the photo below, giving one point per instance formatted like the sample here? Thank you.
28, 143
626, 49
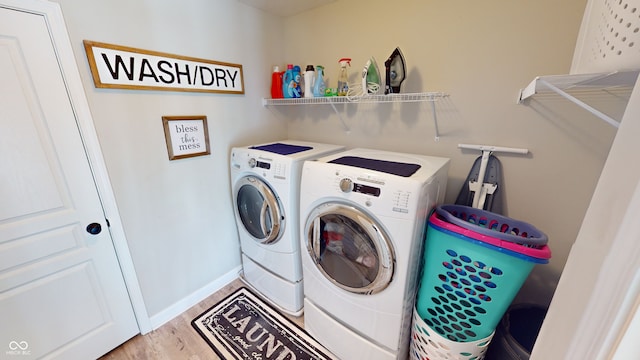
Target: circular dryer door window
259, 210
349, 248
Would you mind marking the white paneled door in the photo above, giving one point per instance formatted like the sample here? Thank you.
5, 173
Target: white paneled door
62, 293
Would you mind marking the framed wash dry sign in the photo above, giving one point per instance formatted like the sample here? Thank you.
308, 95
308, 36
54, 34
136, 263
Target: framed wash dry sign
121, 67
186, 136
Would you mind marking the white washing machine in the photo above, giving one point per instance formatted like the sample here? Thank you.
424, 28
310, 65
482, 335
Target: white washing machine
363, 219
265, 182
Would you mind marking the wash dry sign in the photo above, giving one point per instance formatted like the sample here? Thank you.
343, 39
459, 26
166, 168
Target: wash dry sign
120, 67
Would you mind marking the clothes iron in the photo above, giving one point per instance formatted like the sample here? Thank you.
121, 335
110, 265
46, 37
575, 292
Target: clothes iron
370, 77
395, 72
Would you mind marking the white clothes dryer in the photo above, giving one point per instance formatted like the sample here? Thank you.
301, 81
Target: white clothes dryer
363, 221
265, 182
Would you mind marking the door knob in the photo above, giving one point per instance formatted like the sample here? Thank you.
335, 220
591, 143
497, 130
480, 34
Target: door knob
94, 228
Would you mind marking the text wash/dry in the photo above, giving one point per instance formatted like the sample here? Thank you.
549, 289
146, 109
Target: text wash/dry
167, 72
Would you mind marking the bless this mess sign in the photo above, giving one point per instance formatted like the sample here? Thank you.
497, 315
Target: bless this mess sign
119, 67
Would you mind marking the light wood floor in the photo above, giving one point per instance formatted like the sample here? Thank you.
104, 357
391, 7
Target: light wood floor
177, 340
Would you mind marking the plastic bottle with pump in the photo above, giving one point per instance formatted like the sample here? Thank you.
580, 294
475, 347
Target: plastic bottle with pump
343, 77
276, 83
309, 77
287, 78
319, 85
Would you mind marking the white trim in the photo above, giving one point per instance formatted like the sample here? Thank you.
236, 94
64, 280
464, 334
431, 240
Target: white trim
629, 347
620, 325
194, 298
62, 46
616, 290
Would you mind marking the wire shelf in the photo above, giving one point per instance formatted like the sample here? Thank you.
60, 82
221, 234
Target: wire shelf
365, 99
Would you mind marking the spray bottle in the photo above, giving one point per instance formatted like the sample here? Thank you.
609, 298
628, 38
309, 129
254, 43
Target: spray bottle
309, 77
343, 77
319, 85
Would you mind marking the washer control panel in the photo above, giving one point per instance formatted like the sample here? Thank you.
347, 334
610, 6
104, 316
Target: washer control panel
261, 164
348, 185
391, 196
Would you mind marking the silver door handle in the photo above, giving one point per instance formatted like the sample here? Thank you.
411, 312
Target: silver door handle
315, 245
263, 213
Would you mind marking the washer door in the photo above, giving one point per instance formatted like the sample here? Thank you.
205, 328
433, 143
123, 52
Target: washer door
259, 210
350, 248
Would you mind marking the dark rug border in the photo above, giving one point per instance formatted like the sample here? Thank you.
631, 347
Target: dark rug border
264, 303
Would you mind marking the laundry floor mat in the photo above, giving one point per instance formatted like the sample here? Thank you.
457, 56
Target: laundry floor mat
242, 326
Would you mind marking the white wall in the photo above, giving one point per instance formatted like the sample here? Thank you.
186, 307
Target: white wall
177, 215
481, 53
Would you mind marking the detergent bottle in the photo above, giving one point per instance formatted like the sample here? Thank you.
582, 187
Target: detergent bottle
318, 85
276, 83
287, 78
296, 84
343, 77
309, 77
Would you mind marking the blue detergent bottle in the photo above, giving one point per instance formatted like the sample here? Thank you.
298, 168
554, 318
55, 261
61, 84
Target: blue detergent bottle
296, 84
287, 78
319, 85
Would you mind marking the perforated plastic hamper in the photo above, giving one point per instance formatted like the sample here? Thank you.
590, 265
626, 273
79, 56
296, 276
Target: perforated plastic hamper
427, 344
469, 279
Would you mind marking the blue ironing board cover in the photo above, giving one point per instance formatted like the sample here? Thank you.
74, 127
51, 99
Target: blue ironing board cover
282, 149
389, 167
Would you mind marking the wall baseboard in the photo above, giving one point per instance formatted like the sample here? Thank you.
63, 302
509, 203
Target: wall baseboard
186, 303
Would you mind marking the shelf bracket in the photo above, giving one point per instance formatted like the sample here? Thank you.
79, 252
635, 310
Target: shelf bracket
435, 121
344, 124
582, 104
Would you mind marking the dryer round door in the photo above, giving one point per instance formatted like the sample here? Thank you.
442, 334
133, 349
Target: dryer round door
259, 210
349, 248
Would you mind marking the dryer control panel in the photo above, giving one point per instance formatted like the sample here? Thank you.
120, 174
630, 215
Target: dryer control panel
270, 167
265, 166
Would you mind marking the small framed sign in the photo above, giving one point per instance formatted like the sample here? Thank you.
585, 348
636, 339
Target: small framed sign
186, 136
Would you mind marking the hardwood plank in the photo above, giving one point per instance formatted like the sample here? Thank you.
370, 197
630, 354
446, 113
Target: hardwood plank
177, 339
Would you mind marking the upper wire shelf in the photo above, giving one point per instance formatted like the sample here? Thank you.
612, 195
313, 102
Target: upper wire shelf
365, 99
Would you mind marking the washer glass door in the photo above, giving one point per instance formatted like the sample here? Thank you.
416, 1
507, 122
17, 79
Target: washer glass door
350, 248
259, 210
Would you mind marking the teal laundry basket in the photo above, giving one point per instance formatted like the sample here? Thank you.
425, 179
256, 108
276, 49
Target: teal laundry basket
474, 265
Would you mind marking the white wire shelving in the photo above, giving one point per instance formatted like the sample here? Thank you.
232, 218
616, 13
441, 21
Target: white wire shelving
430, 97
408, 97
561, 84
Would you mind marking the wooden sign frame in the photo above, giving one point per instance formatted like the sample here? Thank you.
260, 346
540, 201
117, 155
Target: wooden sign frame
186, 136
121, 67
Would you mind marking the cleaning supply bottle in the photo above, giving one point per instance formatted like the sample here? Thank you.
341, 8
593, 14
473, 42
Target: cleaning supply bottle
343, 77
309, 77
276, 83
296, 84
318, 84
287, 78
